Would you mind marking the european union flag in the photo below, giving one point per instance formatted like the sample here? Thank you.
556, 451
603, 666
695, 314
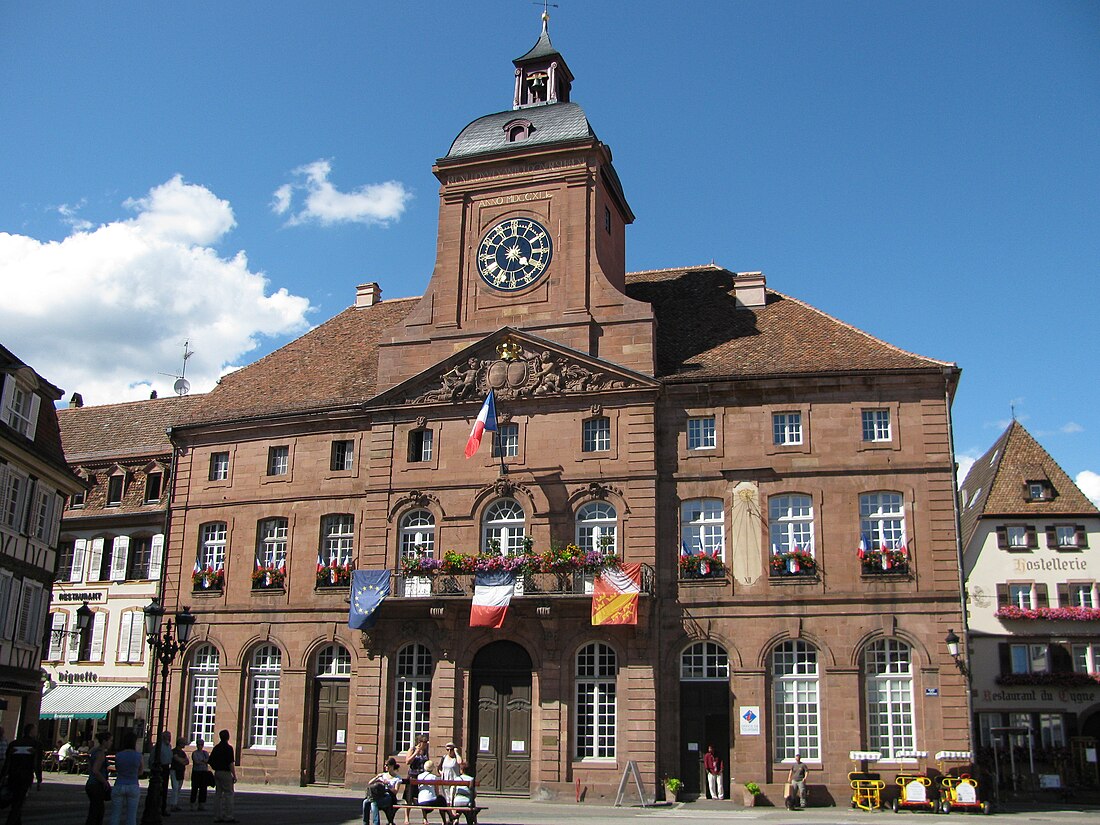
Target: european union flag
368, 588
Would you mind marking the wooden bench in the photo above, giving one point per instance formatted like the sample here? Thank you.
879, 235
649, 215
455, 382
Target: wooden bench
469, 811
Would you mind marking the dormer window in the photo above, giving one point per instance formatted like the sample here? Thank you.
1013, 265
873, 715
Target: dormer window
1040, 491
518, 129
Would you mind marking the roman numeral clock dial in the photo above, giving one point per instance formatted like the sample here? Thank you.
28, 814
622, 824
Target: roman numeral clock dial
514, 254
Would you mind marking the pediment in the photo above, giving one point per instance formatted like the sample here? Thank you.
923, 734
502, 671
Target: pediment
516, 366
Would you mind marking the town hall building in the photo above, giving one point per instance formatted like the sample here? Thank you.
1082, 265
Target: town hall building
784, 480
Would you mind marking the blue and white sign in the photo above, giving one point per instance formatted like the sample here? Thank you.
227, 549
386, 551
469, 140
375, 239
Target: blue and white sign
750, 720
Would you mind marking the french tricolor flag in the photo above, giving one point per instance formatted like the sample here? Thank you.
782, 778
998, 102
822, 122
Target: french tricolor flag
492, 595
486, 420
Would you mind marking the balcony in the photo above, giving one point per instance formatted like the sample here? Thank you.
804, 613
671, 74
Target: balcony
461, 585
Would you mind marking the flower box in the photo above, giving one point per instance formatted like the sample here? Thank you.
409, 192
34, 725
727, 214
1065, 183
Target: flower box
702, 566
1050, 614
562, 561
1067, 680
208, 579
268, 577
885, 562
792, 563
334, 575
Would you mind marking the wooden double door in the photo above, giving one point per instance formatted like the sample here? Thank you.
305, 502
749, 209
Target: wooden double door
499, 746
330, 732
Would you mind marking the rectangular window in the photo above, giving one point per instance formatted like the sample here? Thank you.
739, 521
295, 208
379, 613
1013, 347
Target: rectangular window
56, 642
1052, 731
1086, 658
420, 446
66, 554
13, 499
152, 487
21, 409
1030, 658
1065, 536
44, 514
506, 440
76, 500
702, 434
876, 425
114, 490
343, 454
1017, 536
1022, 595
212, 546
278, 460
141, 554
271, 551
1080, 594
204, 696
596, 435
702, 527
338, 533
787, 429
264, 732
219, 466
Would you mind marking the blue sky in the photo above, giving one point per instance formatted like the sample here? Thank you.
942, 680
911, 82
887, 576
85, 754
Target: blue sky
227, 173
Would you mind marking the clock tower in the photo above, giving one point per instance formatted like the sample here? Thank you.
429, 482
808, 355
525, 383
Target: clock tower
532, 229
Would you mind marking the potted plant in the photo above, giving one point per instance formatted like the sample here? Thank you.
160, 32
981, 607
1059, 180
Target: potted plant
752, 791
672, 788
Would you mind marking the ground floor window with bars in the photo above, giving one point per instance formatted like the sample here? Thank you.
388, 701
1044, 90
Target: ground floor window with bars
597, 668
413, 695
204, 693
888, 675
265, 674
797, 715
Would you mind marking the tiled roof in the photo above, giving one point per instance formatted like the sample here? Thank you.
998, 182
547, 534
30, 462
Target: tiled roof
997, 483
133, 428
702, 334
333, 364
550, 123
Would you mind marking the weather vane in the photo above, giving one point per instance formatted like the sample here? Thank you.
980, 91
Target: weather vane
545, 6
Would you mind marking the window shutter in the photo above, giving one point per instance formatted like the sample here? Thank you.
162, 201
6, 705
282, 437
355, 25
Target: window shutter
74, 642
1052, 537
80, 549
119, 555
125, 626
5, 601
137, 639
99, 629
28, 612
1002, 595
156, 556
95, 560
1063, 595
1005, 656
1002, 537
55, 518
3, 490
57, 639
1041, 597
1082, 537
5, 397
1032, 538
13, 608
35, 403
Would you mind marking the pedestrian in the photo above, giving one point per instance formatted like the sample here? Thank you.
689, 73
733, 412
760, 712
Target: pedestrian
223, 763
127, 790
450, 768
163, 755
22, 763
382, 794
179, 766
98, 786
415, 758
797, 779
201, 777
712, 762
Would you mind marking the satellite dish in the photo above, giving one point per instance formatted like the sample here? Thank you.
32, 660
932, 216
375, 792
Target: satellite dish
182, 386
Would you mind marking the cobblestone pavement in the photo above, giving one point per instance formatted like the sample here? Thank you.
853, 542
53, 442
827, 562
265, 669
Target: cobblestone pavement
62, 802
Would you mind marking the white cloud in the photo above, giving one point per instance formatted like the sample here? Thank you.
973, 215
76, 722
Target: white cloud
1072, 427
965, 461
69, 215
373, 203
105, 310
1089, 482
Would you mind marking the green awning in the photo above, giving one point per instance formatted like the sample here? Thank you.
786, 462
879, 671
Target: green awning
85, 701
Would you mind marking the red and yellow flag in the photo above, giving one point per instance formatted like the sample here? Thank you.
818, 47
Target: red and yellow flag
615, 595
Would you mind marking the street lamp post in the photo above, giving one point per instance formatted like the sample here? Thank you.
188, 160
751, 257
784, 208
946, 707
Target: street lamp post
165, 647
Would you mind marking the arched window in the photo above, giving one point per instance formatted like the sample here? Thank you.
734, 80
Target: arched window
203, 678
888, 685
703, 527
795, 692
597, 531
882, 520
597, 669
271, 544
334, 662
503, 526
704, 662
413, 695
337, 539
791, 523
265, 674
417, 534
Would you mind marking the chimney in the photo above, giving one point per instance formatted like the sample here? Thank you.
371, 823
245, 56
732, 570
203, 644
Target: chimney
367, 295
748, 289
77, 400
152, 395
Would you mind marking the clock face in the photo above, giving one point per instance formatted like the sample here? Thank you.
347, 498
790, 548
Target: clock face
514, 254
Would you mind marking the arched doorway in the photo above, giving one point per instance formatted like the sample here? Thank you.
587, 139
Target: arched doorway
499, 745
330, 715
704, 712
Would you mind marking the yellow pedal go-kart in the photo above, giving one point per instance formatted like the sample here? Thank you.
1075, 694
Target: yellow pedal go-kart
914, 794
866, 790
960, 793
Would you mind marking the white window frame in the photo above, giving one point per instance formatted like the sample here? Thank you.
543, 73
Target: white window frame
120, 478
212, 545
131, 637
273, 534
219, 466
1065, 535
595, 732
504, 522
704, 662
412, 695
796, 695
506, 440
417, 534
13, 493
1080, 594
787, 429
338, 538
888, 688
342, 458
597, 528
1016, 536
1021, 595
265, 678
702, 433
334, 662
791, 522
1052, 730
278, 460
55, 650
1086, 657
876, 426
19, 406
203, 676
596, 435
882, 519
703, 526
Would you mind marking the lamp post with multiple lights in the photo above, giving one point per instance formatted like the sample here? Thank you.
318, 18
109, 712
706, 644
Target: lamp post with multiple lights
165, 647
